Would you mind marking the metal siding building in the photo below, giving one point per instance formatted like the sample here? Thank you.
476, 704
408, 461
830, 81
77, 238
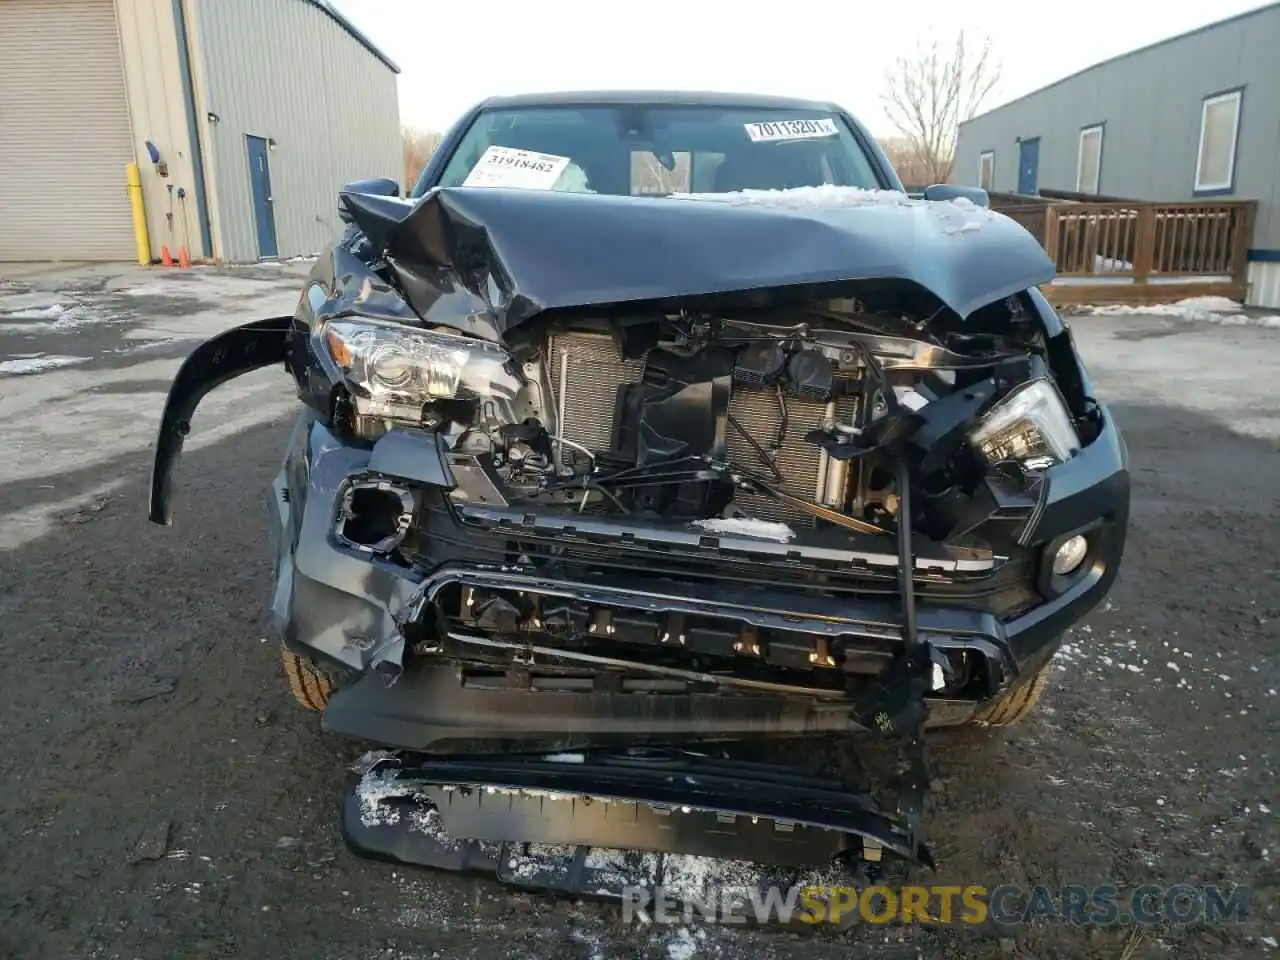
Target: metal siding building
195, 84
289, 74
161, 115
1149, 105
64, 133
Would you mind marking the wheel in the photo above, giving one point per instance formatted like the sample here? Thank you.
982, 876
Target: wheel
309, 685
1015, 705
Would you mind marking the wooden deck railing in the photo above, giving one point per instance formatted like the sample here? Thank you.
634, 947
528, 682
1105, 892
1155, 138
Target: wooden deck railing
1124, 251
1030, 215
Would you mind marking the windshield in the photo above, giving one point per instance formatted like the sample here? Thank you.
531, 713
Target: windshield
636, 149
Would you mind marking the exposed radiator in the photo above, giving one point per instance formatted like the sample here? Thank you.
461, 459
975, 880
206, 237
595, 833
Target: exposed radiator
596, 370
758, 413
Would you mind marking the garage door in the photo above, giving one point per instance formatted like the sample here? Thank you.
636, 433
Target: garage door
64, 133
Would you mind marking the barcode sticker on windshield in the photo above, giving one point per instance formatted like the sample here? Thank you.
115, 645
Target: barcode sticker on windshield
791, 129
509, 167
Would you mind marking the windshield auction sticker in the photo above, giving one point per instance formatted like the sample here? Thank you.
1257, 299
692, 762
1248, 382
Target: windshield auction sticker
509, 167
791, 130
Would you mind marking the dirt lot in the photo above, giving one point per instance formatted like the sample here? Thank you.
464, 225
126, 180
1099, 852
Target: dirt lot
139, 698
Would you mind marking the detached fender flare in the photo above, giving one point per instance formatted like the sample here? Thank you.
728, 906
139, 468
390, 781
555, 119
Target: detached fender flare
229, 355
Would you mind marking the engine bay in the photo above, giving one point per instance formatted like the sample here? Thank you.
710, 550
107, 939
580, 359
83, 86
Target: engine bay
765, 423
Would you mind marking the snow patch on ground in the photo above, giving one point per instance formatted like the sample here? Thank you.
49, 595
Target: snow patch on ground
308, 258
615, 869
37, 362
1217, 310
51, 312
59, 317
1103, 264
1068, 653
682, 944
536, 858
273, 262
593, 942
747, 527
156, 288
691, 878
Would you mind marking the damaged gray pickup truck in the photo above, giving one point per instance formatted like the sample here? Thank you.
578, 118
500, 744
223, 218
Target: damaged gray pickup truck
654, 427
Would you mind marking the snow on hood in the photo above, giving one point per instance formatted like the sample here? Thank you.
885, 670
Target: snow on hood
827, 196
961, 215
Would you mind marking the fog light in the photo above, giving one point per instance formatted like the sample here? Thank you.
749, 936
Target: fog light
1070, 555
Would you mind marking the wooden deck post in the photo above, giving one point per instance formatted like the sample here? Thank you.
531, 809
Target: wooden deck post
1050, 239
1144, 243
1240, 250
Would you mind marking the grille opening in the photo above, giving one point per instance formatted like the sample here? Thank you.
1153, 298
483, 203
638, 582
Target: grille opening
587, 371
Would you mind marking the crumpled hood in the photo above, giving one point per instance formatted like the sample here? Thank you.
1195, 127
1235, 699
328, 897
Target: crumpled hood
520, 252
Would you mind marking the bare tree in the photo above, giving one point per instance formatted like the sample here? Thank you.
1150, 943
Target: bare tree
418, 146
906, 161
648, 175
929, 93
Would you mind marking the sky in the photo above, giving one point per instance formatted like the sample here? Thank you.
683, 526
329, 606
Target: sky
453, 54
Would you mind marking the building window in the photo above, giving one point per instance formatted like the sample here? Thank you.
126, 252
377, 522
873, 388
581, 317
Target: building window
1216, 158
1089, 164
987, 169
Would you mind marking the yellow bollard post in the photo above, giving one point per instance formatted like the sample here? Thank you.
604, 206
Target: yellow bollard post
134, 176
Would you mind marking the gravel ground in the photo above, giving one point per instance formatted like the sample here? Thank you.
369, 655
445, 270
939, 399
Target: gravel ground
144, 714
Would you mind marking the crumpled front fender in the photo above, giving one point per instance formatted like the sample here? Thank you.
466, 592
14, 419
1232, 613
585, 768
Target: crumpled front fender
330, 599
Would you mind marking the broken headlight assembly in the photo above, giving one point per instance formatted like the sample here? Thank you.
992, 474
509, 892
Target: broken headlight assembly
394, 372
1030, 426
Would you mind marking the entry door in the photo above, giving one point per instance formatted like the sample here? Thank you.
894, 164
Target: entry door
260, 180
1028, 165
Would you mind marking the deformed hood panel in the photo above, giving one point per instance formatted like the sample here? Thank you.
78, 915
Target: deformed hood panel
516, 253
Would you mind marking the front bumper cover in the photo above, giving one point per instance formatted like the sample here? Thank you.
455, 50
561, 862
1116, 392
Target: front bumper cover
351, 608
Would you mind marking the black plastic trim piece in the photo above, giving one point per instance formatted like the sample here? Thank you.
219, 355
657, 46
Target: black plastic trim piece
664, 801
229, 355
412, 455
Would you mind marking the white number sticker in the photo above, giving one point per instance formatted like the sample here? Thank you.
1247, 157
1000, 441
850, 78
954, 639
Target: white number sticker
791, 129
509, 167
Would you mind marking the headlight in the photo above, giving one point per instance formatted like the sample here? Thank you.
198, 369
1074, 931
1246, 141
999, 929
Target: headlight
1030, 425
394, 371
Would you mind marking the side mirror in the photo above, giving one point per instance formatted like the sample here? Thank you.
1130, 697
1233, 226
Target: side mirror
377, 186
951, 191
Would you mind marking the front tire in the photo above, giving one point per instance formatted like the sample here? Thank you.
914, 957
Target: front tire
309, 685
1015, 705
